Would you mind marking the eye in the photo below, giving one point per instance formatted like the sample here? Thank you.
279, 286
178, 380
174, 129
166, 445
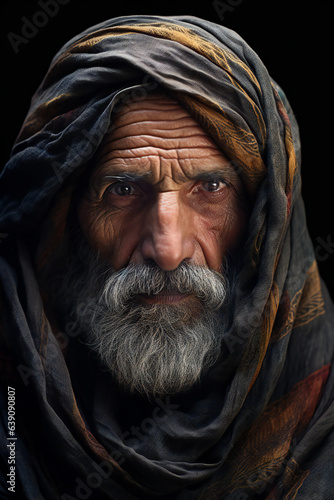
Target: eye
212, 185
122, 189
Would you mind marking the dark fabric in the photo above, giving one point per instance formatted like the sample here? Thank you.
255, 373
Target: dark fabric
261, 424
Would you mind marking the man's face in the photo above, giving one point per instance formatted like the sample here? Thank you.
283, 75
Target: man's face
162, 191
162, 211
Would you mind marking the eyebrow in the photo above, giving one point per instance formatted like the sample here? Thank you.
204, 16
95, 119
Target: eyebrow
126, 176
205, 175
227, 174
98, 183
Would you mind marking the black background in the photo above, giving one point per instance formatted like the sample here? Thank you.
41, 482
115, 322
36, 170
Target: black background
293, 39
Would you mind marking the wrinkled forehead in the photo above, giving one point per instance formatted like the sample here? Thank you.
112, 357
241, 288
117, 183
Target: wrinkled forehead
157, 134
154, 115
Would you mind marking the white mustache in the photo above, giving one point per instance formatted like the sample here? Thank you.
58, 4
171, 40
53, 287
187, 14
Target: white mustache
122, 286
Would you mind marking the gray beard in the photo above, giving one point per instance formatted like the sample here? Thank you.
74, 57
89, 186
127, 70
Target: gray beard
151, 349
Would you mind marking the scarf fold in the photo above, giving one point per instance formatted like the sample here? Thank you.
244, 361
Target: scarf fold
261, 424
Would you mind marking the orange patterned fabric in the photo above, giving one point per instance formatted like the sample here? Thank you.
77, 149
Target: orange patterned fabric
269, 441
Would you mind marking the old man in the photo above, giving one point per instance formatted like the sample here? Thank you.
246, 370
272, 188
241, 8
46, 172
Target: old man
165, 331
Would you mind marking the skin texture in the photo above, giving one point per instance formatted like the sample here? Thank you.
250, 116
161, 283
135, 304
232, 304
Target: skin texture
162, 191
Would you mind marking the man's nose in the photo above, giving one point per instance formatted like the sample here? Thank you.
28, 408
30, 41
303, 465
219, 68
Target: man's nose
167, 232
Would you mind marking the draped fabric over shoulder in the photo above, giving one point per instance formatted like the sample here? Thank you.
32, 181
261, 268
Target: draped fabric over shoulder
261, 426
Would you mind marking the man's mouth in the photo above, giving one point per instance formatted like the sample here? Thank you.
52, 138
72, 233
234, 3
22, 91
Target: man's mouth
164, 297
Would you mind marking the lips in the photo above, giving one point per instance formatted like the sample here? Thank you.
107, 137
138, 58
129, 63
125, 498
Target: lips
164, 297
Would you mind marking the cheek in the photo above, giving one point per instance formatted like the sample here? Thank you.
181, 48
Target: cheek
233, 224
220, 230
100, 228
97, 226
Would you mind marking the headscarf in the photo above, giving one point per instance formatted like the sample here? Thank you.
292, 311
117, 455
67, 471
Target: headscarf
261, 423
